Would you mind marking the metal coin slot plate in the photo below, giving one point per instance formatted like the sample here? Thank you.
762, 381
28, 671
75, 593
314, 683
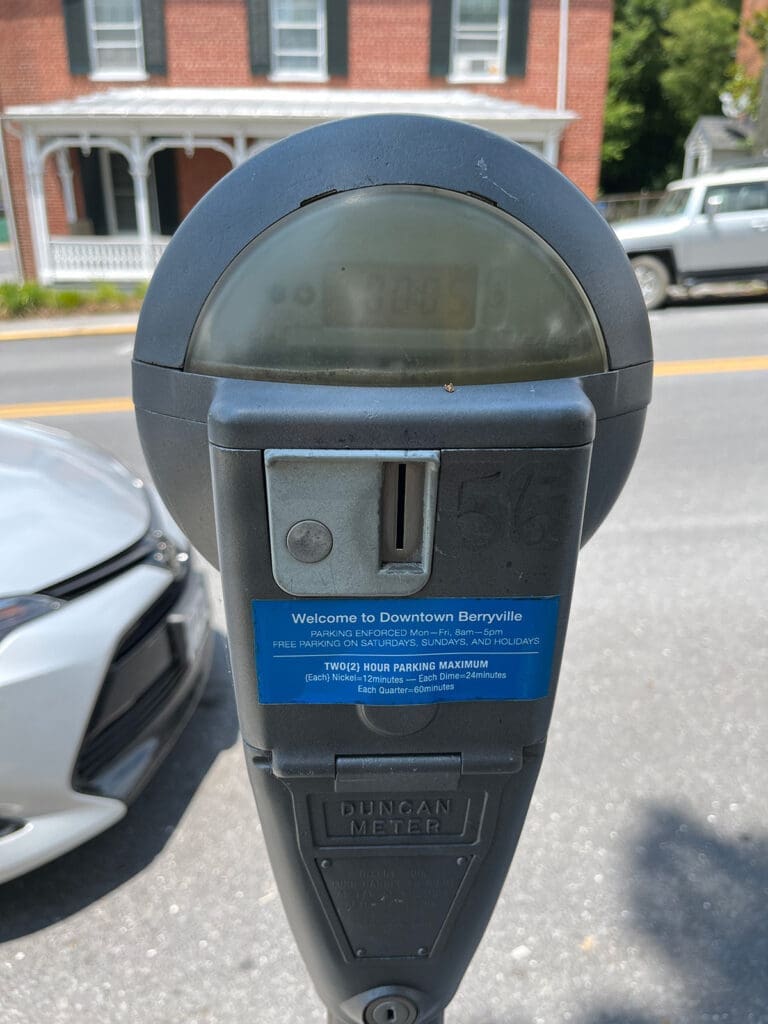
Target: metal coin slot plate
378, 506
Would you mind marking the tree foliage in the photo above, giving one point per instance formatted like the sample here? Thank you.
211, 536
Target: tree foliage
757, 29
669, 63
699, 42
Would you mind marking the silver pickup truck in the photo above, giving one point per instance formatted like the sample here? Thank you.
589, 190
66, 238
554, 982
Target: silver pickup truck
710, 228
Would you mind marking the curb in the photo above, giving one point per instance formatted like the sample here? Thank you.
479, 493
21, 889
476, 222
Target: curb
91, 331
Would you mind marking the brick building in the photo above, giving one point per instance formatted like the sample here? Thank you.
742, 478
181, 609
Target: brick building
119, 114
748, 53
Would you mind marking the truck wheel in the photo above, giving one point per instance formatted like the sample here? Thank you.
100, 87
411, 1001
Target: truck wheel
653, 278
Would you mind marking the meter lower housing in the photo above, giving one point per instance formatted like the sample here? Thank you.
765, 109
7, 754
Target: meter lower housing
391, 828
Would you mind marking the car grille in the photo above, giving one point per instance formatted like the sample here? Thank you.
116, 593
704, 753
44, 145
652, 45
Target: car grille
143, 680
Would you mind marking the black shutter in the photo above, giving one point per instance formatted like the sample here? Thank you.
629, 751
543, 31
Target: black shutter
77, 36
153, 27
258, 33
336, 13
517, 37
440, 39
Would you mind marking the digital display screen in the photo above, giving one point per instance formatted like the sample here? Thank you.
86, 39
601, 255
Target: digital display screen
401, 295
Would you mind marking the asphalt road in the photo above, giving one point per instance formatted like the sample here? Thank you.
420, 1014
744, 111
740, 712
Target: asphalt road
638, 894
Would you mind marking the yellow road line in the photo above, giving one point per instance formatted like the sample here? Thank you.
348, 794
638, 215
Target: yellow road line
78, 407
92, 331
92, 406
728, 364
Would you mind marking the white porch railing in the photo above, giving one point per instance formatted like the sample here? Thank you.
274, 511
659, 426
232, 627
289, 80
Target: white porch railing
103, 258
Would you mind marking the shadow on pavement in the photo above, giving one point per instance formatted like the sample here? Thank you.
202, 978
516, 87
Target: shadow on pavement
60, 889
702, 902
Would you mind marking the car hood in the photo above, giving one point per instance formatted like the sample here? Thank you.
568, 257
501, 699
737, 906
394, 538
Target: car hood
64, 508
643, 228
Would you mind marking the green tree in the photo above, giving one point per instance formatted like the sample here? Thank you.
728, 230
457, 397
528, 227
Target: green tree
698, 44
669, 61
757, 29
638, 130
624, 106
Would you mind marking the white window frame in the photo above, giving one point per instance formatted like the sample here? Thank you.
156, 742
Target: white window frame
320, 74
479, 30
98, 74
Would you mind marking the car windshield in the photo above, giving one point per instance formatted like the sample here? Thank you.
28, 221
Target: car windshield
673, 202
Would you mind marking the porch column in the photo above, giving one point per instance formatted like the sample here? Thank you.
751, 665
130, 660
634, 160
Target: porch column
38, 217
552, 149
241, 149
140, 173
64, 169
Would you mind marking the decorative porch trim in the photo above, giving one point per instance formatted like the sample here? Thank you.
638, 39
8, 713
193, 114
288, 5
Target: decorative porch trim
138, 123
106, 257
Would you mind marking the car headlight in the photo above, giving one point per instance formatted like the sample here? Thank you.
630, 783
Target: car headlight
16, 611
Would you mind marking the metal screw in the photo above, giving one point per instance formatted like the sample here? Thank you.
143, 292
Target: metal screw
360, 952
422, 951
309, 541
325, 863
461, 861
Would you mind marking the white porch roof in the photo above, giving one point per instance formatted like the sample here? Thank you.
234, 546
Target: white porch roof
139, 122
272, 113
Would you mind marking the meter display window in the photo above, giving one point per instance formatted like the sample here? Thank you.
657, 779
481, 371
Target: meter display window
397, 285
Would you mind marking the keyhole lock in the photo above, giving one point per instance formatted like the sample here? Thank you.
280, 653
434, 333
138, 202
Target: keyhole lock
391, 1010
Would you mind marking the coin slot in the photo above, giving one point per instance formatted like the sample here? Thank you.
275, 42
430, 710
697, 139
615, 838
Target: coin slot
402, 470
402, 513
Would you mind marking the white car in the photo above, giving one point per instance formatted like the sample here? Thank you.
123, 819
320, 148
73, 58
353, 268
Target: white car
705, 229
105, 644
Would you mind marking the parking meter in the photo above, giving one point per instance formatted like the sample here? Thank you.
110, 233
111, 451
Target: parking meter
389, 375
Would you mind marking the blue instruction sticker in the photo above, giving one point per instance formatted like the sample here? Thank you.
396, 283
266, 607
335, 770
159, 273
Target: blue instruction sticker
404, 650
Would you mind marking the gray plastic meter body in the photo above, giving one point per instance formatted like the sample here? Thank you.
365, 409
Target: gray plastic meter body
389, 375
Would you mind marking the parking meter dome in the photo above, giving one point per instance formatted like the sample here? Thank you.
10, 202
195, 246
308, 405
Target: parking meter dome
397, 286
